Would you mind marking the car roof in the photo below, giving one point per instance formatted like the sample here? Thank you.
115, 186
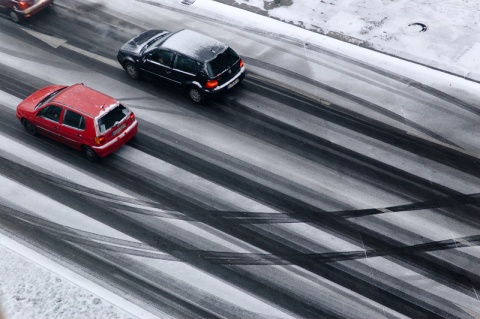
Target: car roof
85, 99
194, 45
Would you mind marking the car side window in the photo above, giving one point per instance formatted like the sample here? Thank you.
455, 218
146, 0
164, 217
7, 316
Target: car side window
74, 120
51, 112
163, 57
185, 64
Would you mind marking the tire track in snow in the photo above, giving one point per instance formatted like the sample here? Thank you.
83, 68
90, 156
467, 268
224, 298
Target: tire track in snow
186, 201
333, 113
377, 241
101, 242
199, 210
294, 41
154, 238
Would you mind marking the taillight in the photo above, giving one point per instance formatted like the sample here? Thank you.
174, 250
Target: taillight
22, 5
132, 116
211, 84
99, 139
241, 63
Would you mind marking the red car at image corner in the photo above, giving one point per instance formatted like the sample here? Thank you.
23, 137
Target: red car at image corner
80, 117
23, 9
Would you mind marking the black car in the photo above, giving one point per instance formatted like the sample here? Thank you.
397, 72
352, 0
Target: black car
201, 64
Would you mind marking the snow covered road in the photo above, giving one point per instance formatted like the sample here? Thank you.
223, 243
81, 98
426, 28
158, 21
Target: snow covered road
325, 186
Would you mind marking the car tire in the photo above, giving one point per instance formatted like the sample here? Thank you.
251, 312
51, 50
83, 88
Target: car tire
29, 127
196, 95
132, 70
14, 16
51, 10
90, 154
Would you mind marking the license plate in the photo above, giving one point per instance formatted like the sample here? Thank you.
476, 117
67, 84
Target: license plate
118, 130
233, 83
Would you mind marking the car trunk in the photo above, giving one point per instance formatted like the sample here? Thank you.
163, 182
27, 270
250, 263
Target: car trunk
113, 123
224, 67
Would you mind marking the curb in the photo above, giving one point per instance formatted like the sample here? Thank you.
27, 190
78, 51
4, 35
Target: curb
434, 65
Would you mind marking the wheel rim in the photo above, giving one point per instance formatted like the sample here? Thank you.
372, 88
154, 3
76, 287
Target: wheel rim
195, 95
131, 70
89, 154
14, 16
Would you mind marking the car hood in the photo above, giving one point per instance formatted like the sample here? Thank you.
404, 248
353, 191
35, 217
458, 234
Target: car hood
136, 44
29, 103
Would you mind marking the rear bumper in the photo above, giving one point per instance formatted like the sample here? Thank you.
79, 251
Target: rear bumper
117, 142
230, 84
37, 7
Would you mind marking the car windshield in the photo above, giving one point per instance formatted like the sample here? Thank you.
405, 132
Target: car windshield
49, 97
155, 43
115, 115
222, 62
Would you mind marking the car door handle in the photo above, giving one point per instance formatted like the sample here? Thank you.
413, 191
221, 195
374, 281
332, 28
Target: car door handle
55, 127
79, 135
168, 71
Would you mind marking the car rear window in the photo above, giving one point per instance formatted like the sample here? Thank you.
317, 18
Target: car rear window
115, 115
222, 62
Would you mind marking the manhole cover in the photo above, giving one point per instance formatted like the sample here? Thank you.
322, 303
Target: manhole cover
416, 27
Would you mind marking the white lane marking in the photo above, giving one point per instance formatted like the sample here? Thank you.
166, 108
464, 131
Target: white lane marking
48, 39
94, 56
57, 42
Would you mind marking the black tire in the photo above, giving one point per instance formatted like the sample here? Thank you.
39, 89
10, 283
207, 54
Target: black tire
14, 16
50, 10
90, 154
29, 127
132, 70
196, 95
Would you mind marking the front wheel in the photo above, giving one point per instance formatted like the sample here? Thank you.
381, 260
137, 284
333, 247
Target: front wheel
90, 154
196, 95
29, 127
14, 16
132, 70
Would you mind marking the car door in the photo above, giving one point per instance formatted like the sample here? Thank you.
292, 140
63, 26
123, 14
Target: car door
73, 128
47, 121
184, 69
159, 63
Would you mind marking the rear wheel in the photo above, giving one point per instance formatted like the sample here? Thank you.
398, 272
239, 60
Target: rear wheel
196, 95
29, 127
132, 70
14, 16
90, 154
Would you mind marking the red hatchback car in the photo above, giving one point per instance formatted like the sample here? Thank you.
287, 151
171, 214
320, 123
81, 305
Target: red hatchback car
23, 9
80, 117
